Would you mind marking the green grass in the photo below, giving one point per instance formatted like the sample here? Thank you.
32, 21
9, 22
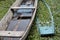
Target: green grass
43, 15
4, 6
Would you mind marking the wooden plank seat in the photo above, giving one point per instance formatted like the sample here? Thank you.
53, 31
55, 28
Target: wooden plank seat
11, 33
23, 12
22, 7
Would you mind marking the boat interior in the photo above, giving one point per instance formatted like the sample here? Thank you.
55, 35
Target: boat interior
22, 16
27, 2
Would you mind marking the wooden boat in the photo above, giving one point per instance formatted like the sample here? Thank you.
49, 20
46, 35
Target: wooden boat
17, 22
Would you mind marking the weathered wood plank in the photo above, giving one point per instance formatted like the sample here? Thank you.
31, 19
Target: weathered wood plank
22, 7
11, 33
